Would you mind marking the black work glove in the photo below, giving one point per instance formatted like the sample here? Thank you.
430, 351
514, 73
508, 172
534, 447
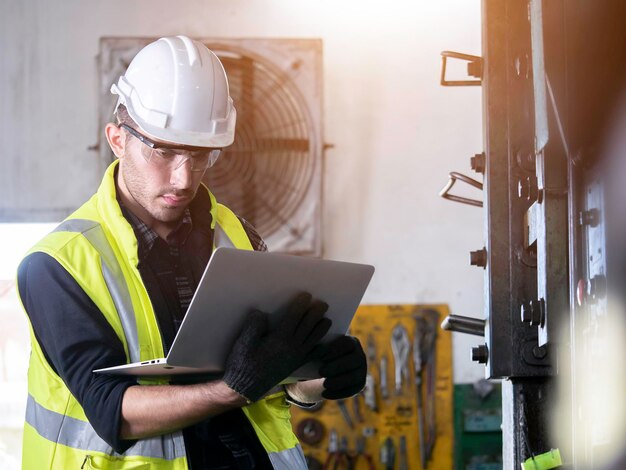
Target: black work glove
344, 366
262, 357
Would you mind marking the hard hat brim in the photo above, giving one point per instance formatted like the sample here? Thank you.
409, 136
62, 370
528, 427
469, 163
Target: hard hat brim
189, 138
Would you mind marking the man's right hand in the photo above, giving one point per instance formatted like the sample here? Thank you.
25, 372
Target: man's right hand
262, 357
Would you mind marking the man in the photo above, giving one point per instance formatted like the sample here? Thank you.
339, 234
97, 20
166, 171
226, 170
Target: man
112, 283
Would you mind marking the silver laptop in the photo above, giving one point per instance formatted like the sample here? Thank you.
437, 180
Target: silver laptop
234, 283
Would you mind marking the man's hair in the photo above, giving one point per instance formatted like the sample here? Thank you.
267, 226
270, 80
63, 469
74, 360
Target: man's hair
122, 116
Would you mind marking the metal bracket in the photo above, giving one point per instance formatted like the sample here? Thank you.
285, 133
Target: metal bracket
453, 177
474, 69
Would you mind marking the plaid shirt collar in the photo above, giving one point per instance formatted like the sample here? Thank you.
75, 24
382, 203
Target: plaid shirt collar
146, 237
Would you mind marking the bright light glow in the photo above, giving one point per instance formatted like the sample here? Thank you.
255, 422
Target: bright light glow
596, 395
16, 240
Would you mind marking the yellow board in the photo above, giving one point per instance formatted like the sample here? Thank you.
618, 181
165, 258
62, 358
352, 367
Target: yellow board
396, 416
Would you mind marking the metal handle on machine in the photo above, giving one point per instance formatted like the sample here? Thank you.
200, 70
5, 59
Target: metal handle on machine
474, 69
454, 176
460, 324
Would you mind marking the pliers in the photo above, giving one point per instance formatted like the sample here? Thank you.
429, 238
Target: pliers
338, 455
360, 451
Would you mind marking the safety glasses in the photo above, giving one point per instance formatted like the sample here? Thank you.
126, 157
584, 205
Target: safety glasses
171, 157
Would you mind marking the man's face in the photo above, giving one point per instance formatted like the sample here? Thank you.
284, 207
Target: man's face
162, 193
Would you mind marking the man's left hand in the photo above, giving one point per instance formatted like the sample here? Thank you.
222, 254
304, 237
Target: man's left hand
344, 367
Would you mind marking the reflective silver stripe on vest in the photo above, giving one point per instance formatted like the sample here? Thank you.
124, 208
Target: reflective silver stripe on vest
290, 459
220, 239
79, 434
113, 277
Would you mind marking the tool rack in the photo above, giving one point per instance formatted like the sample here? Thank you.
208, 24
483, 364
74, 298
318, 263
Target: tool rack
382, 435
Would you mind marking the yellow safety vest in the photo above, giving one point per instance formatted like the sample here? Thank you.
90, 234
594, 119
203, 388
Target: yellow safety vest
98, 247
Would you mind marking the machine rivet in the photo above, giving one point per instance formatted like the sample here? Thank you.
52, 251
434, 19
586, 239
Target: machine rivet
479, 258
480, 354
478, 162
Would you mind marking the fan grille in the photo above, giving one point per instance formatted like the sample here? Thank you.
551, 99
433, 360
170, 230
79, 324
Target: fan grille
265, 175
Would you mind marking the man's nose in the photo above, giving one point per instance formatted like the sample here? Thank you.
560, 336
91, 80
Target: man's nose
181, 177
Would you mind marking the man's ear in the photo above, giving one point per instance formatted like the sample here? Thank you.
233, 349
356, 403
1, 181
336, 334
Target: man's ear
116, 139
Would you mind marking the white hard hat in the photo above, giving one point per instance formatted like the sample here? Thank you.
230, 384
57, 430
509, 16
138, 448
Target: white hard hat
176, 90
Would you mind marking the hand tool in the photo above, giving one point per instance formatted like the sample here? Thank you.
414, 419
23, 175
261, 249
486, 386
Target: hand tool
369, 393
371, 350
370, 384
356, 408
336, 456
400, 345
310, 431
388, 454
360, 452
344, 412
429, 359
343, 451
403, 463
417, 366
384, 391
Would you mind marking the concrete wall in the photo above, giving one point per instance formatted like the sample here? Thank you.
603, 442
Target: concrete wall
396, 131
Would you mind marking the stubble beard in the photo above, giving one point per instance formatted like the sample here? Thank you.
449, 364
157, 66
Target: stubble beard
153, 204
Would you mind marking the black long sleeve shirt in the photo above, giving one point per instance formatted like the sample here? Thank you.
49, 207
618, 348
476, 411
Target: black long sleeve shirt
76, 338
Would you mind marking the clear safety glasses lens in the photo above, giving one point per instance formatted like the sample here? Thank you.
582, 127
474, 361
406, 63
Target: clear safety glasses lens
173, 159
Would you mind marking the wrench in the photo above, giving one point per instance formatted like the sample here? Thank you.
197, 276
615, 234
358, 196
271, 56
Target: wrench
388, 454
370, 384
370, 393
384, 391
356, 408
401, 346
418, 340
403, 463
344, 411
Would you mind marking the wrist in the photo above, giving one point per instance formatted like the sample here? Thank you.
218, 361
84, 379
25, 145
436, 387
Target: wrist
226, 395
306, 392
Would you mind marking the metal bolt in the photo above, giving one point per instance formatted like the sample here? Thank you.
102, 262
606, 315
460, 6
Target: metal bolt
533, 312
540, 352
480, 354
538, 311
478, 162
479, 258
589, 218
